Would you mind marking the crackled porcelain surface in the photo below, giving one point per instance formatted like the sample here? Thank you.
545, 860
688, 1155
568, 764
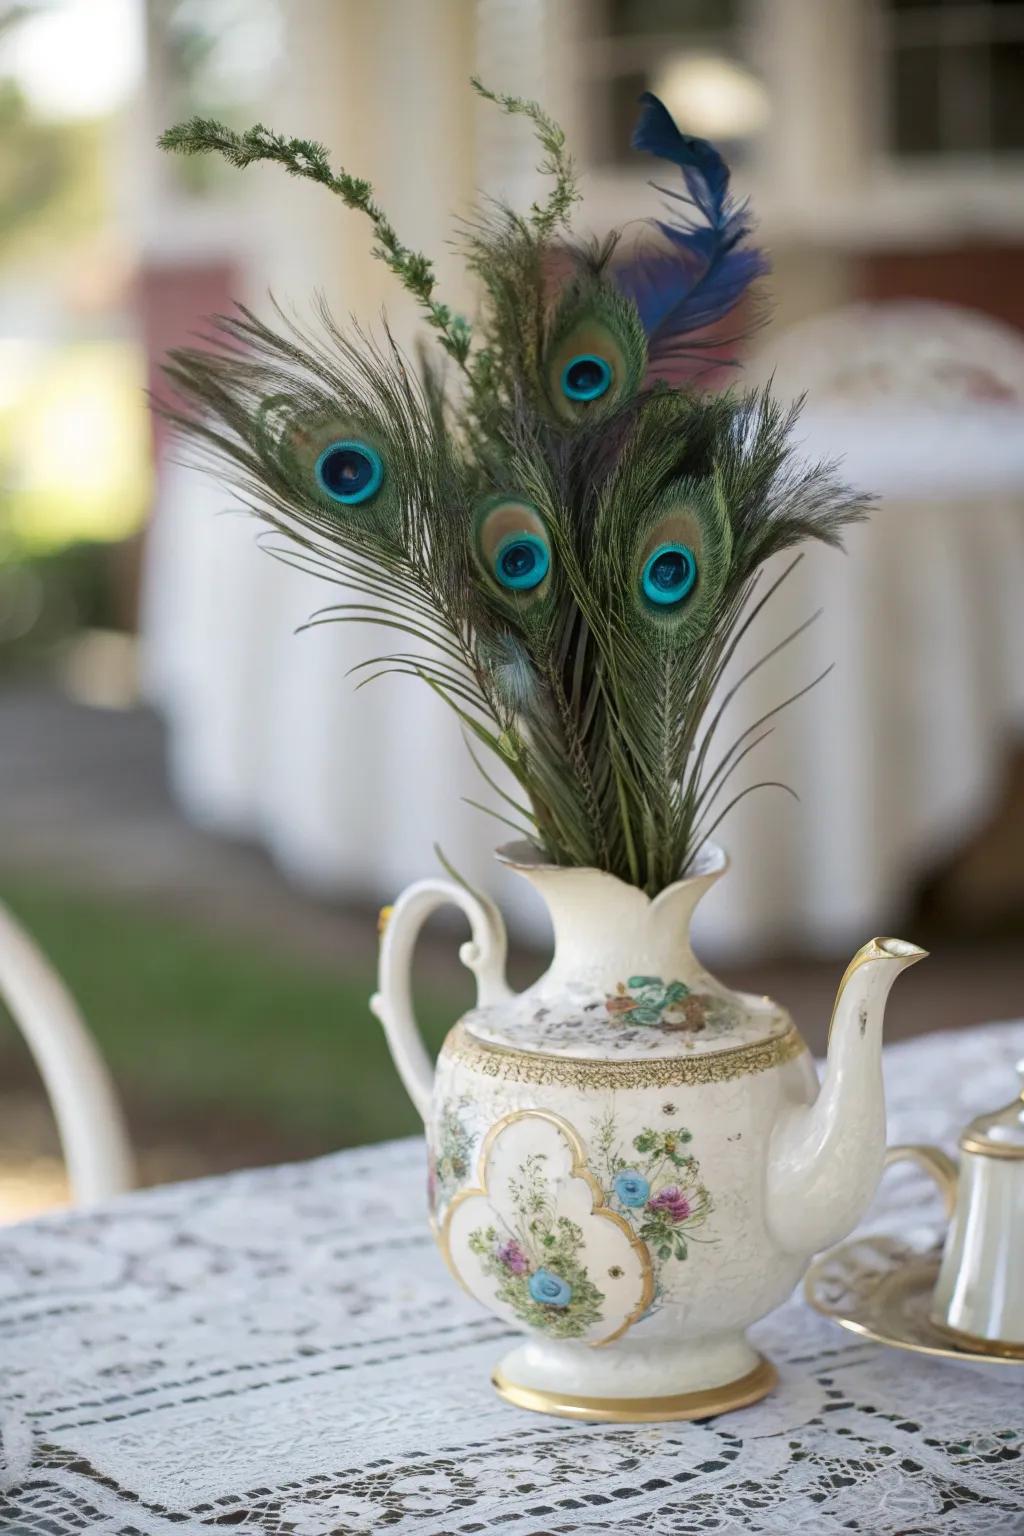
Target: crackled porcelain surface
640, 1016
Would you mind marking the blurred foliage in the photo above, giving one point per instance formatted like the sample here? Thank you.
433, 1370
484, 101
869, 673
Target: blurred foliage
52, 184
75, 481
197, 1024
75, 443
47, 598
217, 57
74, 429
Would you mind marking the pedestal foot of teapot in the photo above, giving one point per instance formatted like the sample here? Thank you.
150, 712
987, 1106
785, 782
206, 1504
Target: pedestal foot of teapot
637, 1384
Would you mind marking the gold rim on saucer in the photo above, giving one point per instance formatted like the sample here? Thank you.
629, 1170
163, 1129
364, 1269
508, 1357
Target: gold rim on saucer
644, 1410
881, 1288
978, 1345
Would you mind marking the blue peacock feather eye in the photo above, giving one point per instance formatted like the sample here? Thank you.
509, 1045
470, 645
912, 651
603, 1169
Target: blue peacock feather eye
349, 471
521, 561
670, 574
586, 377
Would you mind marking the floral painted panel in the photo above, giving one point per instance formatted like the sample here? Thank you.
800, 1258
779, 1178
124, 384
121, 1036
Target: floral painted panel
534, 1256
655, 1182
531, 1250
535, 1241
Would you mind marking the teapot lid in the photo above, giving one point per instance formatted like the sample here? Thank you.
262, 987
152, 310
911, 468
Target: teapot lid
1000, 1133
640, 1018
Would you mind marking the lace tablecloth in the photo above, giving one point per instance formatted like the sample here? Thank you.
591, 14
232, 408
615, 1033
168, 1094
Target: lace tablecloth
282, 1351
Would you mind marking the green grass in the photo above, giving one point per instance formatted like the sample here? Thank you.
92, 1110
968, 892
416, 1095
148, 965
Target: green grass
198, 1026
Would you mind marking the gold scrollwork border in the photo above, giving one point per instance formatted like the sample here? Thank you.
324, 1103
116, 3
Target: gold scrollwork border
579, 1170
653, 1072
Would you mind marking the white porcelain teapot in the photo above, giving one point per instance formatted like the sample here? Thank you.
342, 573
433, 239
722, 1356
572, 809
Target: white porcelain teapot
628, 1161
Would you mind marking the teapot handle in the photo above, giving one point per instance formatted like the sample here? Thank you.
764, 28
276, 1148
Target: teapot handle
484, 955
933, 1161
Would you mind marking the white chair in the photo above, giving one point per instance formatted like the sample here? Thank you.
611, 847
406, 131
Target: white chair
89, 1119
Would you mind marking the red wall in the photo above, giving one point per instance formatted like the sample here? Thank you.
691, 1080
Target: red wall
985, 277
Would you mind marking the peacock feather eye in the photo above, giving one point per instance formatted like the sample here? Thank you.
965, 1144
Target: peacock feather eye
521, 562
336, 464
669, 574
587, 377
513, 550
595, 355
681, 556
349, 471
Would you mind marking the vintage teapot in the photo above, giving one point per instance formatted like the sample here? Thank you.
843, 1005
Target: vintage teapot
628, 1161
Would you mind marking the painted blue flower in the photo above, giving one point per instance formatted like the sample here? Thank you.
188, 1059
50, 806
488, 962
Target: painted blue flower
550, 1288
631, 1187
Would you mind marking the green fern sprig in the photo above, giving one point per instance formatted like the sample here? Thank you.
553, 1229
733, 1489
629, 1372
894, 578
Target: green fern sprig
546, 217
306, 158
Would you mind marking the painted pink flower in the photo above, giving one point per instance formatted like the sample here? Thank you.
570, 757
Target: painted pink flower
671, 1202
513, 1257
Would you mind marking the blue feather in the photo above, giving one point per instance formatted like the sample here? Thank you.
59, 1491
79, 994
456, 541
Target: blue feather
703, 269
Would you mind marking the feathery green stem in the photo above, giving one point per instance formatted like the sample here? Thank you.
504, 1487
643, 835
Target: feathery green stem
545, 217
307, 158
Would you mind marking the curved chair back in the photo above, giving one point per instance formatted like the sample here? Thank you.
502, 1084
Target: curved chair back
81, 1094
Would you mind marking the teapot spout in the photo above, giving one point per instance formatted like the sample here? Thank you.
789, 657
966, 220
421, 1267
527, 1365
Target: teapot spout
825, 1158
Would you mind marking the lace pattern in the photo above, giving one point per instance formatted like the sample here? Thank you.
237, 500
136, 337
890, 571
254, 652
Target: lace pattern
281, 1353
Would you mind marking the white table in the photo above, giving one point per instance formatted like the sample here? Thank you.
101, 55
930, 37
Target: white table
281, 1353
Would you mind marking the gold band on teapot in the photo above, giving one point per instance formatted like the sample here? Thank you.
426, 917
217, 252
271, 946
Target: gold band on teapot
649, 1072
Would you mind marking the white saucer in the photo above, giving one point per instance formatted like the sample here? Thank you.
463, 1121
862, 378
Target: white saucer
881, 1288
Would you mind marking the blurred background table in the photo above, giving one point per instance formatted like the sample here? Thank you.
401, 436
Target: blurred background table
283, 1351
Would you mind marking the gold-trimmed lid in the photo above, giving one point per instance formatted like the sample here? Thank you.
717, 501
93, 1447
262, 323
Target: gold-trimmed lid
1001, 1133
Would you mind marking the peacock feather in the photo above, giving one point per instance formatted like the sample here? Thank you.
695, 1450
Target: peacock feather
566, 547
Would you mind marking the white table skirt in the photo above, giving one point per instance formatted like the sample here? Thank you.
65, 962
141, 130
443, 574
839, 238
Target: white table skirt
282, 1353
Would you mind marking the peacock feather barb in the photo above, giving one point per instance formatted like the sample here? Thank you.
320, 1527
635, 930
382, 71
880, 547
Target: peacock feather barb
565, 544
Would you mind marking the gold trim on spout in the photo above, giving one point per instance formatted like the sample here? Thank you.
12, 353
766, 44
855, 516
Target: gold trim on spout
876, 949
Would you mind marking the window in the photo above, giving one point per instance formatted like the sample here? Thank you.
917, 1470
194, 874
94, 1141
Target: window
955, 76
692, 55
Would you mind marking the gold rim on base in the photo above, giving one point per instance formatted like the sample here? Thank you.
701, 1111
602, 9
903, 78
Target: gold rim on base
643, 1410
